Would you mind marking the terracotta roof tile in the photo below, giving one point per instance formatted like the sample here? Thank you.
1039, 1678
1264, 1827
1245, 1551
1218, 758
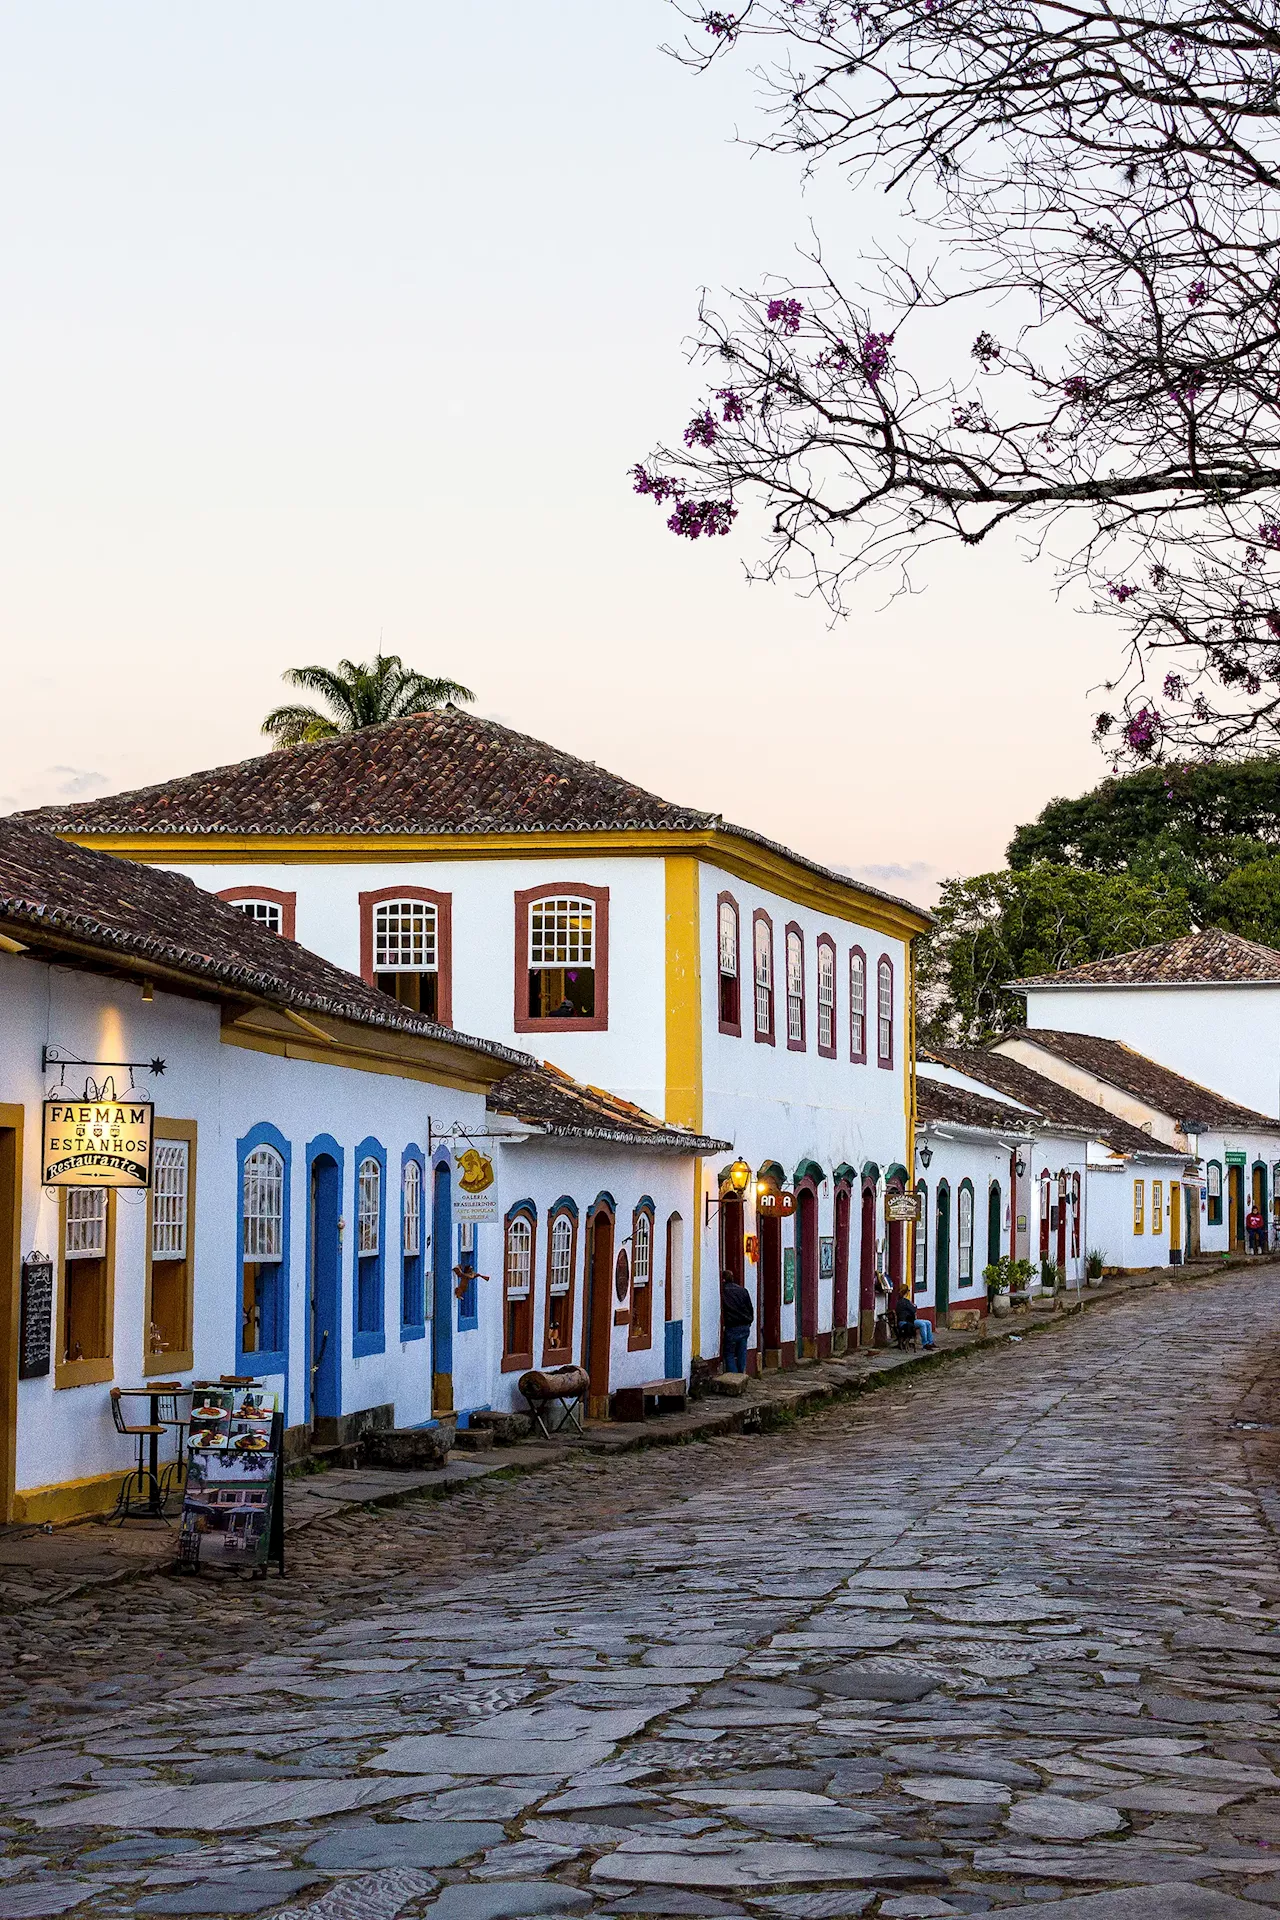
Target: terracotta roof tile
1058, 1106
446, 772
1210, 958
1132, 1072
942, 1101
550, 1099
56, 897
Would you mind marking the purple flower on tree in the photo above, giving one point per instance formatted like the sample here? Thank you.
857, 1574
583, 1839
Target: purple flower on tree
1252, 684
1121, 591
1174, 686
1076, 388
1142, 731
985, 349
1273, 622
1199, 293
1269, 533
874, 356
656, 484
701, 430
693, 518
785, 313
732, 403
719, 24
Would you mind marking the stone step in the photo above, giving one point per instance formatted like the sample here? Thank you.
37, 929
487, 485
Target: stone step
473, 1439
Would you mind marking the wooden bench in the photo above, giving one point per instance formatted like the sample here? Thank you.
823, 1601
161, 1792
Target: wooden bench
655, 1396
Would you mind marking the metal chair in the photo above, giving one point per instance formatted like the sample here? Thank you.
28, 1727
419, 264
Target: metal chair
142, 1493
169, 1414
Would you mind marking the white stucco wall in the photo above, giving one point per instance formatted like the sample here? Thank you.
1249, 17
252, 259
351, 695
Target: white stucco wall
629, 1058
67, 1433
1223, 1037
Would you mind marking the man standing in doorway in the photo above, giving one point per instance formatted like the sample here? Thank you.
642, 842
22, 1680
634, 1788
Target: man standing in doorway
738, 1314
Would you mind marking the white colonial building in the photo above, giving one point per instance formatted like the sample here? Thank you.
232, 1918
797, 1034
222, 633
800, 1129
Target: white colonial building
698, 971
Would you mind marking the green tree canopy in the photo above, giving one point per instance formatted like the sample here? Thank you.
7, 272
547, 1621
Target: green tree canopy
998, 927
357, 696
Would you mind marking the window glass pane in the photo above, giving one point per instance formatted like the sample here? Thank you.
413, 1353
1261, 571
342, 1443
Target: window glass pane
369, 1208
169, 1201
266, 913
965, 1212
263, 1205
826, 996
728, 939
412, 1209
857, 1003
922, 1240
642, 1251
562, 933
519, 1257
764, 956
404, 937
86, 1237
885, 977
561, 1253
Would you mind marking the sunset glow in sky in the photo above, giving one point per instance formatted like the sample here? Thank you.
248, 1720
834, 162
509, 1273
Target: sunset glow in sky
328, 325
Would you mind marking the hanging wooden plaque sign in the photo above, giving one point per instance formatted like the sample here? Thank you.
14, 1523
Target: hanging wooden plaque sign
97, 1143
774, 1203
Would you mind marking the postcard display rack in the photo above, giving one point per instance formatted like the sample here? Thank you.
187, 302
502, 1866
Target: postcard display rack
233, 1501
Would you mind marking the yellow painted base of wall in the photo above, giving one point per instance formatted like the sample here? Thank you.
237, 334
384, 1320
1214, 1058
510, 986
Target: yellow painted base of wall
67, 1500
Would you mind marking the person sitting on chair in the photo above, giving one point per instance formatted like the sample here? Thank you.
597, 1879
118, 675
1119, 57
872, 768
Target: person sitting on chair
906, 1322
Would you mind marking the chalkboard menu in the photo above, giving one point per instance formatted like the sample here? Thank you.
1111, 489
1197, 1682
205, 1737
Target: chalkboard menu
35, 1331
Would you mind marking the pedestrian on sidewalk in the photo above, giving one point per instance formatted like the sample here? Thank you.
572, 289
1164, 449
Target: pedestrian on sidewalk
1256, 1229
738, 1314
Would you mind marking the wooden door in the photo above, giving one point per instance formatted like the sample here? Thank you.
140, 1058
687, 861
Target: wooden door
942, 1254
598, 1317
807, 1257
1193, 1221
1175, 1223
840, 1288
770, 1289
1235, 1209
10, 1271
867, 1269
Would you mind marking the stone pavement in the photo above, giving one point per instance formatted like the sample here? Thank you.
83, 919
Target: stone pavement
43, 1566
1002, 1637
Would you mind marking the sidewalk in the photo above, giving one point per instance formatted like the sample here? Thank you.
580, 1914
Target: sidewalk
39, 1568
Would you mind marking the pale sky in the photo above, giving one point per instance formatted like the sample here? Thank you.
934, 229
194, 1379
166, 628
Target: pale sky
328, 323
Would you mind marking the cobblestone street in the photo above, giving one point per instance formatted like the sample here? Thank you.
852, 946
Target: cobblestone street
1001, 1636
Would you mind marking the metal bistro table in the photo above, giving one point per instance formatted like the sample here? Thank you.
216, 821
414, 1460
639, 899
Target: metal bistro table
147, 1486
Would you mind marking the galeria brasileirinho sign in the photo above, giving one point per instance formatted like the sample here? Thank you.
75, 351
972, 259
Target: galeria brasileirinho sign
97, 1143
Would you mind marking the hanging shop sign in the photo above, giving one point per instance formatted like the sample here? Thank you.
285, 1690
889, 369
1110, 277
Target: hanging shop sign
902, 1206
474, 1199
774, 1203
97, 1143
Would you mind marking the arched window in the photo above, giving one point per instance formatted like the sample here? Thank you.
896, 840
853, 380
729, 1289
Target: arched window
517, 1279
262, 1252
730, 986
921, 1276
762, 947
267, 907
641, 1333
369, 1263
995, 1217
406, 953
884, 1003
795, 988
964, 1233
413, 1305
1213, 1193
1045, 1205
857, 1006
561, 1251
826, 997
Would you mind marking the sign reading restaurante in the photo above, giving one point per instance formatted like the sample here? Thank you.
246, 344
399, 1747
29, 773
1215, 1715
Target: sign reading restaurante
97, 1143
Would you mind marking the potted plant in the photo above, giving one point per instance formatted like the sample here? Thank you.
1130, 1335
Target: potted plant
1094, 1261
1020, 1273
998, 1286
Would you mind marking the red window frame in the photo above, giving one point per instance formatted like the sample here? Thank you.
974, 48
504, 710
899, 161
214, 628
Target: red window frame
732, 1027
826, 944
287, 903
518, 1359
524, 1022
858, 1054
443, 904
794, 932
883, 1058
761, 918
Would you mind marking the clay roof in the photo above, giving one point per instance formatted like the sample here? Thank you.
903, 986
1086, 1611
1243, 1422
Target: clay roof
1211, 958
1120, 1066
939, 1100
551, 1100
59, 900
445, 772
1056, 1105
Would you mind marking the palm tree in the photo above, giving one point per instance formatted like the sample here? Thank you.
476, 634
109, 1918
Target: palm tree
357, 696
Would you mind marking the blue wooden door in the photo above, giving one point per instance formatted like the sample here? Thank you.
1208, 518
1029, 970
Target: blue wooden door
673, 1353
326, 1288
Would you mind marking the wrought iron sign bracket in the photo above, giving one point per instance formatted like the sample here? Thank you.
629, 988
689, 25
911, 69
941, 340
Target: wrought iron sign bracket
55, 1057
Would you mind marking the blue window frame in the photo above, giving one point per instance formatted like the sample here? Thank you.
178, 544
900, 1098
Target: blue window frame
263, 1168
465, 1275
369, 1318
413, 1239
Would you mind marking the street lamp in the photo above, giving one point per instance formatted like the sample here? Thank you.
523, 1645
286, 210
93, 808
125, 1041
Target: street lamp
1021, 1165
926, 1156
737, 1179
